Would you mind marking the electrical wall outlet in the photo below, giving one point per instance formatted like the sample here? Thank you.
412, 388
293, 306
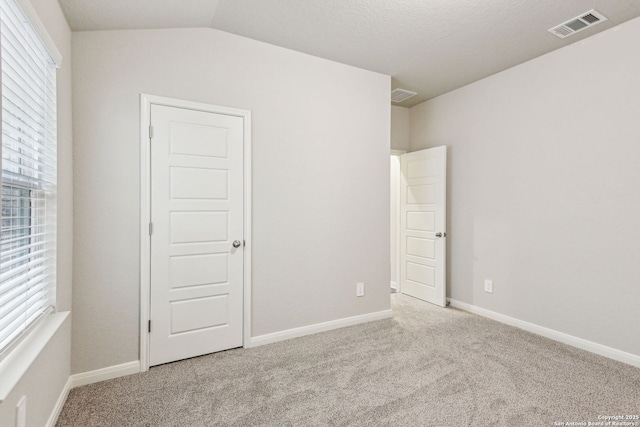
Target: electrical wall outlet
21, 412
488, 285
360, 289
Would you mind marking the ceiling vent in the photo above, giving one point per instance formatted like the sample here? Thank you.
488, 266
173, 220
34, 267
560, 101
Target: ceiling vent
577, 24
399, 95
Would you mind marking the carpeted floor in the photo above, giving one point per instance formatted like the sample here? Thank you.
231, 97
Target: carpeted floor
425, 367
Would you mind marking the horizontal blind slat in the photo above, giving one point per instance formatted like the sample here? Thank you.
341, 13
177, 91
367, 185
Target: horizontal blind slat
28, 247
28, 51
9, 288
29, 257
12, 320
7, 299
8, 241
22, 274
28, 142
14, 116
12, 329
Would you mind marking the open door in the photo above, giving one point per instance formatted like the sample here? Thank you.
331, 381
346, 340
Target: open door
423, 225
197, 264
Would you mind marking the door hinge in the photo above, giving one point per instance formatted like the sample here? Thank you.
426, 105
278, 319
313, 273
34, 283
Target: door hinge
150, 131
149, 326
150, 228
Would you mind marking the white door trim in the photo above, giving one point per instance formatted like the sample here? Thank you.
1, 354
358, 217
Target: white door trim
145, 211
397, 152
398, 185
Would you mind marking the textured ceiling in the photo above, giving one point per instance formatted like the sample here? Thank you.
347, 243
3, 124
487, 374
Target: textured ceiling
92, 15
427, 46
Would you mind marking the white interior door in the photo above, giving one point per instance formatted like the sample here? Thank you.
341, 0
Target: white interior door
423, 225
196, 301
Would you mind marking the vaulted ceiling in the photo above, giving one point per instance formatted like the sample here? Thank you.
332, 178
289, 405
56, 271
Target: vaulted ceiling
427, 46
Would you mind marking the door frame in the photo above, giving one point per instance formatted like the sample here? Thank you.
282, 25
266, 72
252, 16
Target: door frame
398, 185
146, 101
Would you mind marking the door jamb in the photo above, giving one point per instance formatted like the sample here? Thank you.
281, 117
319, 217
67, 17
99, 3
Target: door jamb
146, 101
398, 153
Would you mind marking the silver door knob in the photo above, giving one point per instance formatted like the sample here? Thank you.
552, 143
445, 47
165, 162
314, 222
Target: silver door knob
441, 234
236, 243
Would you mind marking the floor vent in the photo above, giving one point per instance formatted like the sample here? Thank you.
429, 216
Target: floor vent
399, 95
577, 24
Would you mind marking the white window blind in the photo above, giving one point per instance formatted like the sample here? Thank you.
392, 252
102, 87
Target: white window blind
28, 240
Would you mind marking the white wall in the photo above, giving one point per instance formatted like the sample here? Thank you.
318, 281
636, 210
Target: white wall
46, 378
320, 178
399, 128
544, 188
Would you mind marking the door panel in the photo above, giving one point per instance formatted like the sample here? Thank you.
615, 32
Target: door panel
182, 180
196, 211
198, 313
198, 270
423, 215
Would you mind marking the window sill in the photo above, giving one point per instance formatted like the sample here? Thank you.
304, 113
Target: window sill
17, 363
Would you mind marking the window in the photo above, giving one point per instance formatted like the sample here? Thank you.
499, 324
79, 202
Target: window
28, 240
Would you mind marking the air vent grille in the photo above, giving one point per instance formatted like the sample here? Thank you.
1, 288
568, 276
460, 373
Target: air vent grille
399, 95
577, 24
590, 18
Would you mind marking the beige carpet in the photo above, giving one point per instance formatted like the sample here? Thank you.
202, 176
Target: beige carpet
426, 367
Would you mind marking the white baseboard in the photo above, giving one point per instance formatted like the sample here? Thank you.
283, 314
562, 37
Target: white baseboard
602, 350
394, 285
104, 374
318, 327
53, 418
